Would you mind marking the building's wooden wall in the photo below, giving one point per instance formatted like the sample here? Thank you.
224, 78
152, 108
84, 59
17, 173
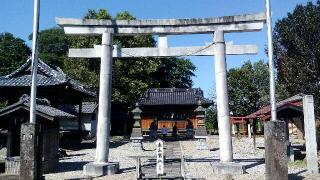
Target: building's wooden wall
181, 124
146, 122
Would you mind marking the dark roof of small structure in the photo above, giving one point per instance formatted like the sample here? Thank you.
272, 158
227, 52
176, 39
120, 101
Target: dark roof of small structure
43, 108
47, 76
293, 102
87, 108
174, 96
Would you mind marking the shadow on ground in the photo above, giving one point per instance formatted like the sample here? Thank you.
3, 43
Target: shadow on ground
214, 149
117, 144
295, 176
92, 145
70, 166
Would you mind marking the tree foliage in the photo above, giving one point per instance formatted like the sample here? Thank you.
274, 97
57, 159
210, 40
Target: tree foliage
131, 77
297, 51
3, 104
53, 46
248, 87
211, 118
13, 53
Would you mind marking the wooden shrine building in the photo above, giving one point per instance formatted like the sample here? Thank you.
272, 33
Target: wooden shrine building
48, 119
171, 106
53, 84
289, 110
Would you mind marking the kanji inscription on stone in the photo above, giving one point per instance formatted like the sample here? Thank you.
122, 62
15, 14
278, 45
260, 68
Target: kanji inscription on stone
160, 157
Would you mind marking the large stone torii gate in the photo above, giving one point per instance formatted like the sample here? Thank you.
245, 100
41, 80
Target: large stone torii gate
109, 28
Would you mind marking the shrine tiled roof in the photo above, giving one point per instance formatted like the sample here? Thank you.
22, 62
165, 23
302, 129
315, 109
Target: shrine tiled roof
47, 76
174, 96
87, 108
43, 107
292, 101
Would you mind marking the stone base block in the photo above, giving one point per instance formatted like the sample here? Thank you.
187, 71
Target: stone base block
201, 144
95, 170
276, 146
136, 133
229, 168
136, 143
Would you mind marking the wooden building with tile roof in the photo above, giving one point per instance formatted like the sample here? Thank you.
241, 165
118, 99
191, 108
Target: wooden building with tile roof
170, 106
48, 119
289, 110
53, 84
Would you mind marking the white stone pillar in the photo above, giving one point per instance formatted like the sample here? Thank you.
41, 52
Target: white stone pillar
249, 130
104, 111
233, 129
310, 134
162, 41
162, 44
225, 141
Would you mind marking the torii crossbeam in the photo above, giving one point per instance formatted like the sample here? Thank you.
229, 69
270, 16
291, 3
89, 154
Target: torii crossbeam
163, 51
109, 28
241, 23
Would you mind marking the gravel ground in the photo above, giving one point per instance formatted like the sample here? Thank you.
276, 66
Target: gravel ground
71, 166
198, 163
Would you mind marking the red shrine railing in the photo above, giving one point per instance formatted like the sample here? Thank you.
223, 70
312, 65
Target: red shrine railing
234, 119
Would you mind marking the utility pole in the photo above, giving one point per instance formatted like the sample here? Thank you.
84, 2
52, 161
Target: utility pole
271, 64
275, 136
34, 66
30, 154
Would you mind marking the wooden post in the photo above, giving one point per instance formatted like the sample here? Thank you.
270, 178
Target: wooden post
138, 168
80, 116
254, 129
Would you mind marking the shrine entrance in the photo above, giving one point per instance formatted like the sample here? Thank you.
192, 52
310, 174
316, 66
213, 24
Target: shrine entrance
106, 51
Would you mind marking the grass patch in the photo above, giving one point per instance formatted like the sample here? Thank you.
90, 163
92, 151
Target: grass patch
117, 138
297, 164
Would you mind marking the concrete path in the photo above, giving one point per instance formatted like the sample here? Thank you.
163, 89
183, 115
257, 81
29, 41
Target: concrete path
172, 165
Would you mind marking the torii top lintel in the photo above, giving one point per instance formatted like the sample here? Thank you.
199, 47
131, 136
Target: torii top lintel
239, 23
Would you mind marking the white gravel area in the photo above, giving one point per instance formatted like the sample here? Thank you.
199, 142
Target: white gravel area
198, 163
71, 167
244, 153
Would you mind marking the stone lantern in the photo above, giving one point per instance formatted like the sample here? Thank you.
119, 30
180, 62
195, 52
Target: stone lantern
201, 131
136, 135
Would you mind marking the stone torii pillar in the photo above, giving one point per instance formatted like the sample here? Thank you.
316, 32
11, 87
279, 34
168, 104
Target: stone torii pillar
225, 140
101, 165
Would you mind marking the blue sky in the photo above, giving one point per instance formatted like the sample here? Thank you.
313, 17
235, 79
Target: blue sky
16, 18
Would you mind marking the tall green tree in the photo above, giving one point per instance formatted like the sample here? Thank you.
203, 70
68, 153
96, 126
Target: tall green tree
297, 51
130, 76
248, 87
211, 118
13, 53
53, 46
